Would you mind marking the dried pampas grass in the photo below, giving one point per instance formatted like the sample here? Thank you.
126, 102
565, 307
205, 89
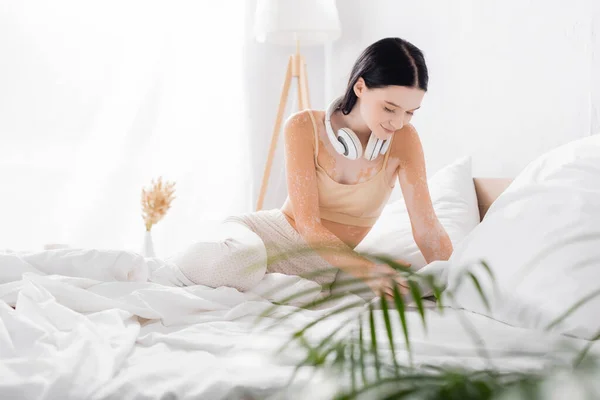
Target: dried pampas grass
156, 201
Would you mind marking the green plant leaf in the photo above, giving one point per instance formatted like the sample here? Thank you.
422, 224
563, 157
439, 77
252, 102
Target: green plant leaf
481, 349
415, 292
362, 351
374, 341
388, 328
399, 301
328, 315
488, 269
437, 292
480, 290
573, 308
314, 357
370, 387
352, 367
400, 394
392, 380
325, 341
314, 303
394, 264
581, 356
309, 356
301, 332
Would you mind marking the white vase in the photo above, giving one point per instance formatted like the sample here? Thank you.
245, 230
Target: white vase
148, 250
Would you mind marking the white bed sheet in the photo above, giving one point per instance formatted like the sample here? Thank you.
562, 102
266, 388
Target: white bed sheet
74, 337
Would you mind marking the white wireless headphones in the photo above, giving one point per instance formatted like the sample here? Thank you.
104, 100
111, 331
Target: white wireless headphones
347, 143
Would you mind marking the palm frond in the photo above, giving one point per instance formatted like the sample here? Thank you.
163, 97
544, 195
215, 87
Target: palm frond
316, 303
488, 269
437, 292
573, 308
401, 309
477, 339
388, 328
353, 382
364, 359
374, 351
581, 356
415, 292
361, 347
479, 289
301, 332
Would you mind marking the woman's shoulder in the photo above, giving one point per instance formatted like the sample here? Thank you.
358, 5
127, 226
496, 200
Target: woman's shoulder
305, 117
304, 121
406, 143
405, 137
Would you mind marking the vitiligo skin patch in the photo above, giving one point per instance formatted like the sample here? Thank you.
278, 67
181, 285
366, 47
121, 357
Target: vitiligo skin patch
406, 164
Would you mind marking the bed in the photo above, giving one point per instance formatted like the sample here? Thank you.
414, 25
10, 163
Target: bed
75, 337
488, 190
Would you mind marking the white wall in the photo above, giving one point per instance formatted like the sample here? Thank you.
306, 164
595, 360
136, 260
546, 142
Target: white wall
595, 67
90, 97
98, 98
509, 79
265, 72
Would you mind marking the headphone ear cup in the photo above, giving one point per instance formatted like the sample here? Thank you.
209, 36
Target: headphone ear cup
339, 146
374, 146
351, 142
386, 146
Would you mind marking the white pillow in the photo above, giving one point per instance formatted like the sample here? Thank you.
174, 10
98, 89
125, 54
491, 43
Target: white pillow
455, 204
541, 238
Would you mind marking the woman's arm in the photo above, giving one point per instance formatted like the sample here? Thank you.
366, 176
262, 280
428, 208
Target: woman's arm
428, 232
303, 195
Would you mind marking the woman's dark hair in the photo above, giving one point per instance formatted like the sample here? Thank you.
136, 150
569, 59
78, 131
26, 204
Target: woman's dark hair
389, 61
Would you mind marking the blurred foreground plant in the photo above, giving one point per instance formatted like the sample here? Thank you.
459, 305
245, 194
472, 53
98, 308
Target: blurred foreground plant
370, 368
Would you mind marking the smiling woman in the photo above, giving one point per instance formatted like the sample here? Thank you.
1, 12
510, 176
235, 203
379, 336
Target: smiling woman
341, 166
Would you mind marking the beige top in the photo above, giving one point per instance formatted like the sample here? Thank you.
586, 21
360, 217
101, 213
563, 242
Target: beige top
357, 204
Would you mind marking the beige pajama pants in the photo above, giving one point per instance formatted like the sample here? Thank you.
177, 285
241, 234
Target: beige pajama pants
246, 247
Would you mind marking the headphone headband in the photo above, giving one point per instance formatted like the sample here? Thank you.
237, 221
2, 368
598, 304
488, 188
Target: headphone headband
337, 144
347, 143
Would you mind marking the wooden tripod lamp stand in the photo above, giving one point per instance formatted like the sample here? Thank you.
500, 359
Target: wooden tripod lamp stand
293, 22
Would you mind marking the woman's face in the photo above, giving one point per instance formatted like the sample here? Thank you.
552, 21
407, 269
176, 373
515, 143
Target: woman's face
386, 110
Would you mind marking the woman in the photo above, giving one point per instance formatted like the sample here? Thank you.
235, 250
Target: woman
341, 165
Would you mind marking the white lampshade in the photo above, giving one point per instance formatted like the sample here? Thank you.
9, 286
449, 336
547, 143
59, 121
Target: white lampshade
312, 22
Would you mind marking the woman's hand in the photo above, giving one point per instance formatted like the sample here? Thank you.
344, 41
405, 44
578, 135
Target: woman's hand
382, 278
403, 263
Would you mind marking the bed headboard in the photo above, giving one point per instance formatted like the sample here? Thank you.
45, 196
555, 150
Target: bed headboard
488, 190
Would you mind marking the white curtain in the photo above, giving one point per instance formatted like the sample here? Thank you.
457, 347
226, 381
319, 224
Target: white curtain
99, 98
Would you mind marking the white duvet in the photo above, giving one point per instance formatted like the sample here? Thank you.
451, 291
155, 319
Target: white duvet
74, 337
